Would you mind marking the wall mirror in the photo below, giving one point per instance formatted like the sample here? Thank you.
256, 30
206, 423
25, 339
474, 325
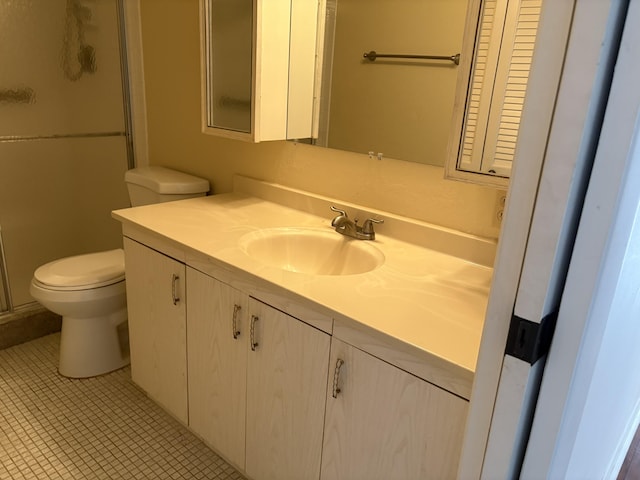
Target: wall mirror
462, 115
399, 107
439, 82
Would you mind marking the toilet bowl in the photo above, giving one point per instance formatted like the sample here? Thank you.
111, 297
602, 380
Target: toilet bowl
89, 290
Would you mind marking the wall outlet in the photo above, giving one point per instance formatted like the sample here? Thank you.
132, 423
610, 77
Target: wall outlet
498, 211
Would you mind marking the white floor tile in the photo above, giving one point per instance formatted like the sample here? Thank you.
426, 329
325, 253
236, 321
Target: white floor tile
53, 427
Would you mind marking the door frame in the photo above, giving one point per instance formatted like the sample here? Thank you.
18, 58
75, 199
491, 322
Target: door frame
568, 83
593, 357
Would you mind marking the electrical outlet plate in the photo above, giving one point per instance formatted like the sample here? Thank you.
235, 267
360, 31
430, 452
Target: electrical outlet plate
498, 210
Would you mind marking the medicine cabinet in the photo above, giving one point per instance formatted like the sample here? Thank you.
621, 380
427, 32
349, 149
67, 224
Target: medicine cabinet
492, 89
258, 62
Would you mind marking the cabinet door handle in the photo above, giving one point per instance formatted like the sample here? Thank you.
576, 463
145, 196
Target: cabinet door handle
234, 320
252, 332
174, 288
336, 378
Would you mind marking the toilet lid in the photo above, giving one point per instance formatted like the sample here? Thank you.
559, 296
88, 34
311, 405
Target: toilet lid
90, 270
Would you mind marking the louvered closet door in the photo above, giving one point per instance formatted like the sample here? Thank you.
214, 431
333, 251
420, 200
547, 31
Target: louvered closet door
503, 55
487, 52
512, 75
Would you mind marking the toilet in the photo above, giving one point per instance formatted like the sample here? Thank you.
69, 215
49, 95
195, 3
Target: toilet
89, 292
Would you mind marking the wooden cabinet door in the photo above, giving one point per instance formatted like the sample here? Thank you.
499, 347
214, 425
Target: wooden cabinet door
157, 326
385, 423
286, 387
217, 344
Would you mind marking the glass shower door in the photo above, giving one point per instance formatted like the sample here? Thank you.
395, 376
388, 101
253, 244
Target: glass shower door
63, 133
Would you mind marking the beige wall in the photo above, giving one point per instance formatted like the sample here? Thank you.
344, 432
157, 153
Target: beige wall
170, 30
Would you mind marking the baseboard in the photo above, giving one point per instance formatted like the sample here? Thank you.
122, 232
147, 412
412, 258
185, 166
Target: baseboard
27, 323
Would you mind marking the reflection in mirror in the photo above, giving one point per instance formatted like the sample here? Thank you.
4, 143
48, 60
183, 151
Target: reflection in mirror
495, 96
230, 31
399, 107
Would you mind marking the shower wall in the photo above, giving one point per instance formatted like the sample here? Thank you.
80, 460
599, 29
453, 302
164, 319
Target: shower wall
63, 139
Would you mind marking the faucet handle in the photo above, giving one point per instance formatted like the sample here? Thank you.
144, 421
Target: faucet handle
337, 210
367, 226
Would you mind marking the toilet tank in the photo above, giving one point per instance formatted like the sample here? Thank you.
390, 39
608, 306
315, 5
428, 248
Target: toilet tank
147, 185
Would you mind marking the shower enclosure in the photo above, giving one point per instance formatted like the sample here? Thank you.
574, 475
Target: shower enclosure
65, 140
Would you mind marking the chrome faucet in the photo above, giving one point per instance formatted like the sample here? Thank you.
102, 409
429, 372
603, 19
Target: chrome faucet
345, 226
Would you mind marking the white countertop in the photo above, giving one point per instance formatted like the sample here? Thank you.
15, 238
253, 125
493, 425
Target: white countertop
422, 310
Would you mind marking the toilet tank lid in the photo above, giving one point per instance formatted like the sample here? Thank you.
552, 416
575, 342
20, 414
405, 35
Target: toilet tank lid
94, 269
166, 181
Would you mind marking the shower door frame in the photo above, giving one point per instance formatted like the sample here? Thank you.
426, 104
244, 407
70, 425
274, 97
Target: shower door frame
6, 304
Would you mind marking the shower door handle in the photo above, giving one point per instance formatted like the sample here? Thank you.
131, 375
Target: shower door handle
17, 95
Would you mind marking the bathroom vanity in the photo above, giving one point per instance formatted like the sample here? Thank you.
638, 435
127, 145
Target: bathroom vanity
360, 371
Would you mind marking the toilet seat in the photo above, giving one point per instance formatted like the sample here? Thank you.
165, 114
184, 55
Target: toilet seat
82, 272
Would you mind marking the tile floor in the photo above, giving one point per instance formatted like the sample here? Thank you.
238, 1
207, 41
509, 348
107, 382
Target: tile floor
52, 427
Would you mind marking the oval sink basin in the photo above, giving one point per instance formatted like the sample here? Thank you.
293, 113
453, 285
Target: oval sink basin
315, 252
